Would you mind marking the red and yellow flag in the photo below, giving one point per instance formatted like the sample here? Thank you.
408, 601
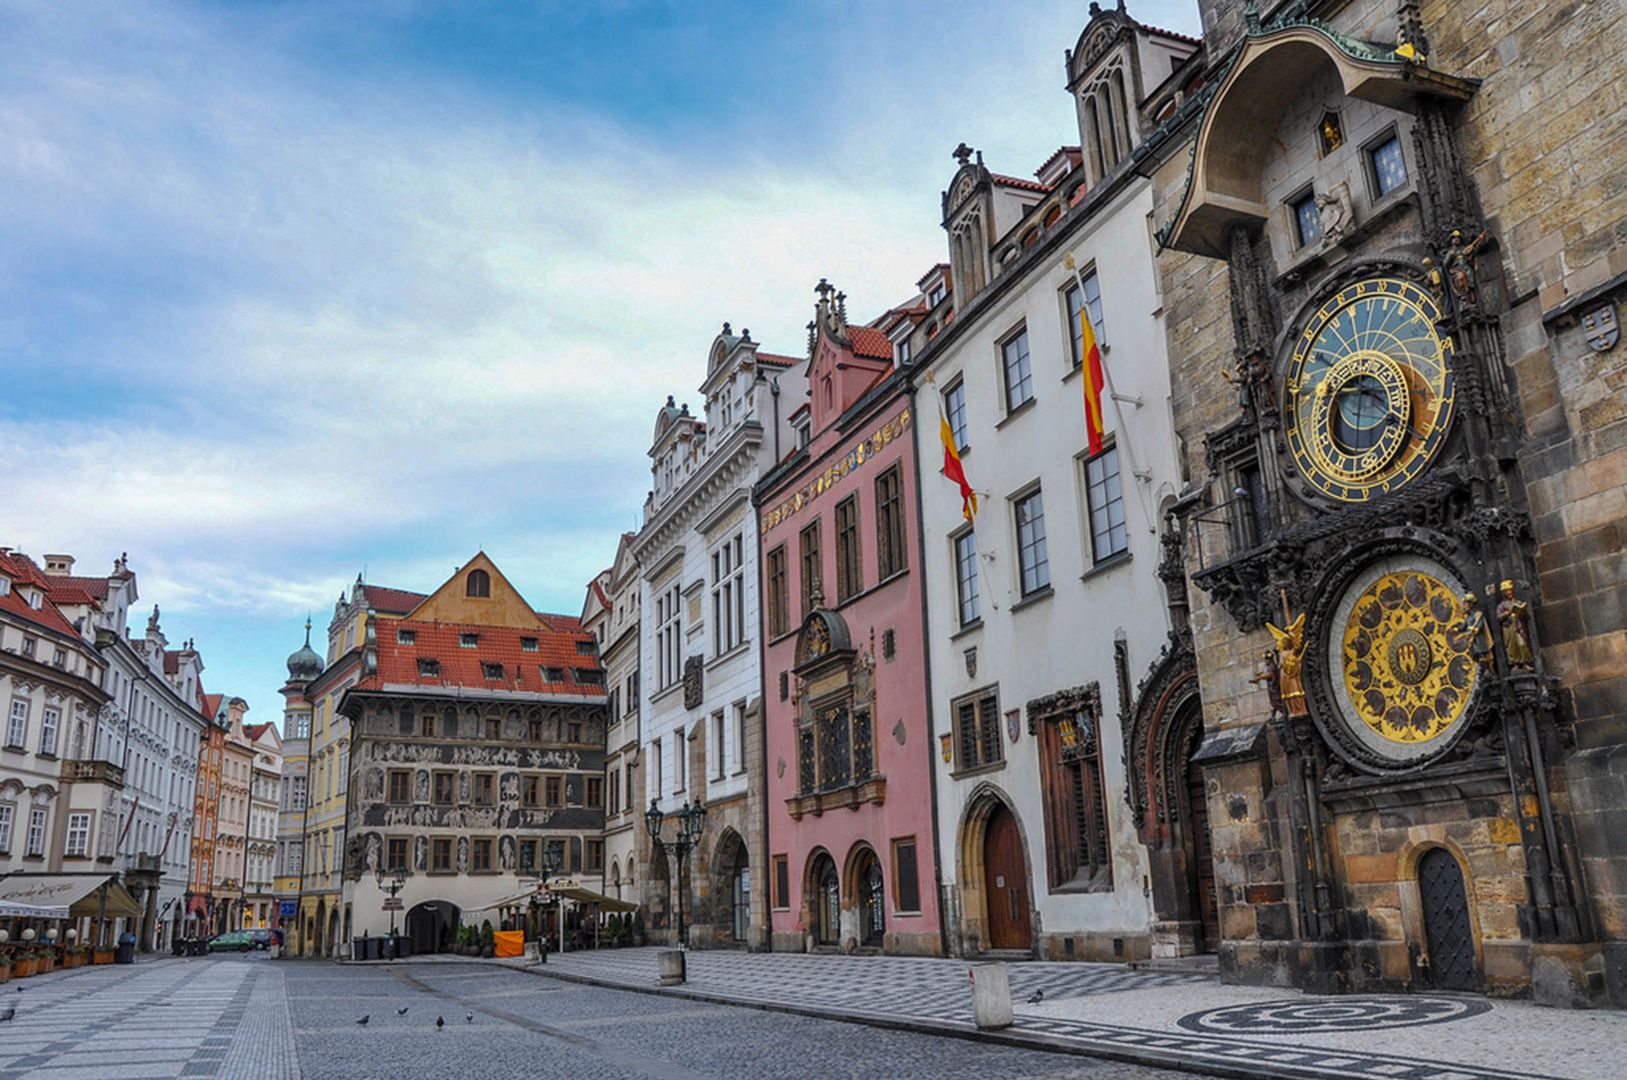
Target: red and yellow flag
1092, 357
953, 469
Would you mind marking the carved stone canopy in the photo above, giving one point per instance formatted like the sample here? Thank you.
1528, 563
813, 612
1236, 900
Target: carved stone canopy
824, 638
1229, 158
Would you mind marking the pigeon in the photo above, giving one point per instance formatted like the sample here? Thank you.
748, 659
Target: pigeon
403, 1010
8, 1016
1036, 997
468, 1018
440, 1022
363, 1021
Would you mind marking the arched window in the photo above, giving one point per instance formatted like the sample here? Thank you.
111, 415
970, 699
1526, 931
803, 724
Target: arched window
478, 583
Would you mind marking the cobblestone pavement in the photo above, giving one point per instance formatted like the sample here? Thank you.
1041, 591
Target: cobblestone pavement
1187, 1021
249, 1017
161, 1018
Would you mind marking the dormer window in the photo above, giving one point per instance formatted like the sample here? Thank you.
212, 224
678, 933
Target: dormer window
588, 676
901, 351
553, 675
478, 584
468, 641
528, 644
491, 671
428, 668
36, 599
935, 297
5, 586
585, 648
406, 637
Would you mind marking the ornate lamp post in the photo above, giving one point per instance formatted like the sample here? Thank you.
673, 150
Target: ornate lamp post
392, 884
546, 867
691, 823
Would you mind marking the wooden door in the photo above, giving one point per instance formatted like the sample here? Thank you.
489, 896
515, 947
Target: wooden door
1005, 883
1203, 860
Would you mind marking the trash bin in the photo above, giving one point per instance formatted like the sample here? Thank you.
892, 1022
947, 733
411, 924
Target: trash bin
125, 953
200, 947
403, 946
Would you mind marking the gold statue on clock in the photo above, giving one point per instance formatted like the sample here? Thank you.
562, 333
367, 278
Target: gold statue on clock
1367, 396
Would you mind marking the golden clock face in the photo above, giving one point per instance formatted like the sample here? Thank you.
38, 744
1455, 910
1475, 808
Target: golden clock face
1406, 672
1368, 390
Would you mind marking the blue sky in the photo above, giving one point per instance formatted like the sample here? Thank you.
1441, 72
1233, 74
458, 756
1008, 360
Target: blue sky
293, 290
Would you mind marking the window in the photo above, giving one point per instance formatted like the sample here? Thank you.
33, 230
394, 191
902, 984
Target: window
49, 719
890, 553
7, 812
728, 596
901, 352
587, 676
835, 748
782, 883
809, 539
404, 636
779, 608
1106, 500
528, 644
400, 786
78, 844
588, 648
717, 744
395, 857
977, 731
468, 641
966, 577
1389, 167
1032, 560
17, 727
36, 832
1071, 781
480, 856
935, 297
593, 854
485, 786
553, 674
740, 736
440, 855
594, 788
668, 637
906, 876
679, 747
573, 732
1307, 219
428, 669
530, 787
533, 730
494, 729
59, 657
849, 571
478, 584
426, 725
554, 790
446, 788
1093, 303
491, 671
1018, 379
528, 854
656, 763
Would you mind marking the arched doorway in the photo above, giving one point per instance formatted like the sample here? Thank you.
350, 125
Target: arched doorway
1005, 882
732, 888
1193, 825
658, 896
824, 900
431, 924
332, 946
615, 878
870, 897
320, 947
1447, 930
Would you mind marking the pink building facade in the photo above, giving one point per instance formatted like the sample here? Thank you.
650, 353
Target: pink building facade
852, 865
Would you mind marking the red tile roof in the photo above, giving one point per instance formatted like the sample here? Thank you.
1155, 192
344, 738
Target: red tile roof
779, 360
463, 667
1159, 30
22, 570
209, 704
392, 601
172, 661
1074, 155
870, 343
95, 587
1019, 182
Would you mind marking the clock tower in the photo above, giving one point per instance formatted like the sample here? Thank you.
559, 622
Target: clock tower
1388, 748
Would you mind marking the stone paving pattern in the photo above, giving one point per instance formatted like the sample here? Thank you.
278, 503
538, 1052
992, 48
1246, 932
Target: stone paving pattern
1113, 1009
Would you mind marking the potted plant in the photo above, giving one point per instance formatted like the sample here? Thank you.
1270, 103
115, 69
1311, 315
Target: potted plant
73, 956
488, 944
5, 966
102, 956
612, 928
638, 927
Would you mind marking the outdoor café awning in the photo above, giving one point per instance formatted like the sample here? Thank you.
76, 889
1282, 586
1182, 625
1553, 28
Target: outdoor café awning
64, 896
572, 892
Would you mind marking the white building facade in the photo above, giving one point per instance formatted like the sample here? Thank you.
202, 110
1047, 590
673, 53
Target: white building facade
612, 615
1041, 607
700, 668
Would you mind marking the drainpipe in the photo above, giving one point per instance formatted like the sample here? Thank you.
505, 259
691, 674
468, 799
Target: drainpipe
774, 392
926, 678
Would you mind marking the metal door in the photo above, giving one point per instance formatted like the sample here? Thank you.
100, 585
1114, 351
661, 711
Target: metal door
1446, 922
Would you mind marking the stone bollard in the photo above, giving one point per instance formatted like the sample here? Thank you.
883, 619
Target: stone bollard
991, 995
670, 963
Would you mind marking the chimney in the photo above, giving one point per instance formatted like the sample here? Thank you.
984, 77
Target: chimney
59, 565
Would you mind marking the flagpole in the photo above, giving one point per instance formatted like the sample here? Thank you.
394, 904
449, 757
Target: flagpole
1123, 430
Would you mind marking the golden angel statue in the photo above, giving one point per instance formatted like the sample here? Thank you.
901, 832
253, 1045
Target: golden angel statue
1290, 657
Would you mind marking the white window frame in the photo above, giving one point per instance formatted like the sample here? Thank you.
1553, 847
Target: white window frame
37, 818
77, 845
739, 736
668, 635
17, 724
8, 814
729, 595
968, 586
1039, 545
50, 723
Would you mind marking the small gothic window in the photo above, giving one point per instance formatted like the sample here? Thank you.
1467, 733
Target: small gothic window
478, 584
1330, 133
1307, 220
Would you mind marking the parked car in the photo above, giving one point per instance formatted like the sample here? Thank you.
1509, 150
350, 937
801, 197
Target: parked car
232, 941
265, 938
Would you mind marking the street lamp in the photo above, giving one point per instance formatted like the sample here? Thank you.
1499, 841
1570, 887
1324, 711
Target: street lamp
691, 823
548, 865
393, 885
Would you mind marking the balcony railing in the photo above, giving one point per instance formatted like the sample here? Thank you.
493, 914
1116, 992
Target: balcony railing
92, 772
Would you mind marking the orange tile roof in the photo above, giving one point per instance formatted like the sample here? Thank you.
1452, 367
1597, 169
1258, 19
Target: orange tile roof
23, 571
779, 359
463, 666
209, 704
1019, 182
94, 587
871, 343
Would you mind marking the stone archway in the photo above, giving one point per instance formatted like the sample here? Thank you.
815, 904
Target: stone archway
822, 901
431, 924
320, 946
865, 900
658, 895
994, 870
331, 940
731, 890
